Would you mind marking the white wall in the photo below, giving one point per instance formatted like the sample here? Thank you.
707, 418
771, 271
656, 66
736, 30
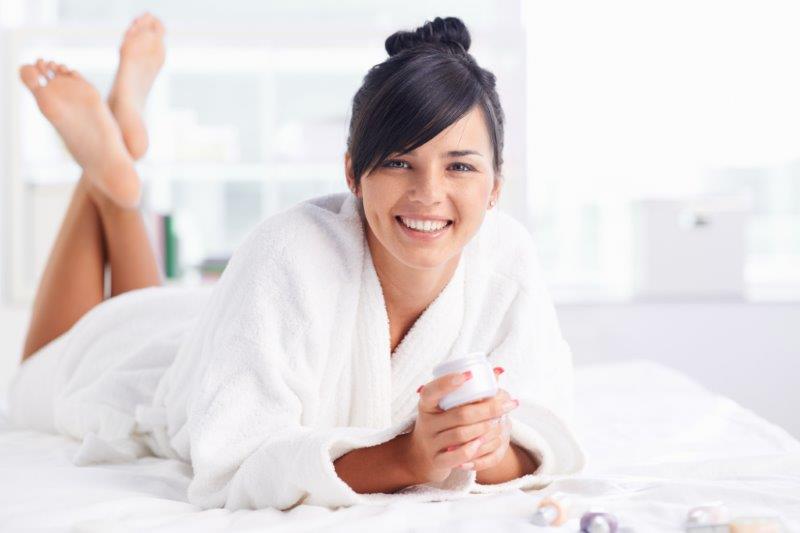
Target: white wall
748, 352
5, 127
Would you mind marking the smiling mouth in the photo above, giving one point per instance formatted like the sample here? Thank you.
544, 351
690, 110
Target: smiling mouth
424, 226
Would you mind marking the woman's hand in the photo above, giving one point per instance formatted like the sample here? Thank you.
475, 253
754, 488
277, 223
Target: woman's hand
492, 451
470, 436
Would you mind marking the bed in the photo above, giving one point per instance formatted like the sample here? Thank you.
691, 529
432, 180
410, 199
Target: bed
657, 445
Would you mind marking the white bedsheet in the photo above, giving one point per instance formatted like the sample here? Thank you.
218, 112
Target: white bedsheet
657, 444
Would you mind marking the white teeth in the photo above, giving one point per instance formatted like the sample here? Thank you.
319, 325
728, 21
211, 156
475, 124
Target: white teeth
424, 225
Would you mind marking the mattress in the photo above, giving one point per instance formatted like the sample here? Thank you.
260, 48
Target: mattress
657, 444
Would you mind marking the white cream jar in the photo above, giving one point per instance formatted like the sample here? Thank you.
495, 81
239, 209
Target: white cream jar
482, 384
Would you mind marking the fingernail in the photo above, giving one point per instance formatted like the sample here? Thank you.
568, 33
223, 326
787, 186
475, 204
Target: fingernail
468, 374
420, 388
509, 405
466, 466
495, 421
499, 369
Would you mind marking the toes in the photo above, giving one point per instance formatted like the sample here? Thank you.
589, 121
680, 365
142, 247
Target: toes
40, 73
149, 21
51, 69
45, 69
158, 26
41, 66
146, 21
142, 21
135, 26
30, 76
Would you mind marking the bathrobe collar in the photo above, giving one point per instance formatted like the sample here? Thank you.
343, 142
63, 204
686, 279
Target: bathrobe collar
389, 380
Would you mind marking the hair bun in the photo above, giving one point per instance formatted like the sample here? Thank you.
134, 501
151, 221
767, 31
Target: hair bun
447, 32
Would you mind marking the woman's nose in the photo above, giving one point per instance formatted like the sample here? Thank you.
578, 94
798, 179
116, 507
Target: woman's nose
428, 187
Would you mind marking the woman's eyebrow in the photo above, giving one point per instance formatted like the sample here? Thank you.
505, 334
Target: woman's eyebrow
455, 153
460, 153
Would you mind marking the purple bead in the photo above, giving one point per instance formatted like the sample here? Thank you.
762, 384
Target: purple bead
596, 522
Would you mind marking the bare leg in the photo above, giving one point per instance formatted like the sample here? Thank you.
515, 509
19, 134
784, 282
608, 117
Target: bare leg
141, 55
129, 250
72, 282
96, 227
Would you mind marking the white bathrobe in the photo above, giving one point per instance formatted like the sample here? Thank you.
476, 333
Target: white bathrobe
285, 365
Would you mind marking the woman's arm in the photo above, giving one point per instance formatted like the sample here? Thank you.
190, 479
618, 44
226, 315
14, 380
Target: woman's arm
381, 468
358, 467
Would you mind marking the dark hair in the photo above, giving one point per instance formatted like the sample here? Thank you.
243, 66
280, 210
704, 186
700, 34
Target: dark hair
428, 82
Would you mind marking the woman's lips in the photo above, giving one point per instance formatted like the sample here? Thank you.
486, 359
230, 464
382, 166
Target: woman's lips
422, 236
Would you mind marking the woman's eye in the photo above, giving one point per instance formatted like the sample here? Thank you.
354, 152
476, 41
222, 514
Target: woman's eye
396, 163
464, 166
389, 163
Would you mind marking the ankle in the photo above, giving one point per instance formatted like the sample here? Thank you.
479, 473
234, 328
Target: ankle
114, 188
108, 207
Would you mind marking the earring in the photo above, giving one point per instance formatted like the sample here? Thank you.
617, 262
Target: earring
491, 203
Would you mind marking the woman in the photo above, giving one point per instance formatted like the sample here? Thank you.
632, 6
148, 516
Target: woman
306, 370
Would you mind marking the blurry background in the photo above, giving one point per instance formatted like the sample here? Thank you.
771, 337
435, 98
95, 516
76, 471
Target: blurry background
652, 148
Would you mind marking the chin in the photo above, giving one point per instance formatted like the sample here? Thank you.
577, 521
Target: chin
423, 259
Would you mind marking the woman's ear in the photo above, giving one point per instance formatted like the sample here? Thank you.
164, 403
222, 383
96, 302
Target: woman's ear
498, 186
348, 172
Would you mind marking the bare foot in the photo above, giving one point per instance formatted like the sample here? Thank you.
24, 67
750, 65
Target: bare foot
87, 127
141, 56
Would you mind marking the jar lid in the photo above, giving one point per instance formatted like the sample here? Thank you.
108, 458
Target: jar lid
472, 358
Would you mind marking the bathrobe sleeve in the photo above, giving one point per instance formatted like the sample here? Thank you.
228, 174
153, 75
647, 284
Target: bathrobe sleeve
249, 448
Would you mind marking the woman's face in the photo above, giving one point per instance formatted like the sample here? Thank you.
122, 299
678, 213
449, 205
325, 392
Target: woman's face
447, 181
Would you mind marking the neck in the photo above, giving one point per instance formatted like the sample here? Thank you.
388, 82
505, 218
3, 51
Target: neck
407, 290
